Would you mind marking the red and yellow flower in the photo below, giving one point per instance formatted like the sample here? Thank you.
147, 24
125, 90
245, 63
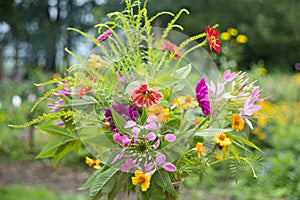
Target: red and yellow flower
212, 39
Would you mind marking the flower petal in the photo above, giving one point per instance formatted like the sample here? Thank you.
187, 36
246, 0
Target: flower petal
169, 167
170, 137
151, 136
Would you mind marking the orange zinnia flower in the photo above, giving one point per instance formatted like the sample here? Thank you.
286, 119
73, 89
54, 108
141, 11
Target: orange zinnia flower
237, 122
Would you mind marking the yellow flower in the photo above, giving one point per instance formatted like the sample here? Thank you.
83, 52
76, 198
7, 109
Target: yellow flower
141, 178
242, 39
297, 78
161, 112
93, 162
222, 140
237, 122
200, 149
97, 61
225, 36
232, 31
218, 156
262, 71
186, 103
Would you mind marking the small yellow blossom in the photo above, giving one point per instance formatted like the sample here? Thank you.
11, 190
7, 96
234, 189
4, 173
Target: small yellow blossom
186, 103
262, 71
222, 140
93, 162
218, 156
232, 31
161, 112
141, 178
242, 39
237, 122
97, 61
225, 36
200, 149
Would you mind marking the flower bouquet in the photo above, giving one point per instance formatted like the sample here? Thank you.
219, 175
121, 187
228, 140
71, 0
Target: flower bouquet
150, 106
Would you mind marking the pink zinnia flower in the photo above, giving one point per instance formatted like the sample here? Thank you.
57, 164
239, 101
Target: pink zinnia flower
202, 96
169, 46
212, 39
145, 96
104, 36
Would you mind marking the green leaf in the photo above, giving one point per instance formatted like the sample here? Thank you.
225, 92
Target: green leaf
109, 186
118, 120
246, 142
161, 177
100, 181
54, 130
90, 180
50, 149
121, 179
66, 148
183, 72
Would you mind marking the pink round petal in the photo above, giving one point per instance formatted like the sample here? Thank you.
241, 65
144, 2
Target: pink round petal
160, 159
129, 124
170, 137
151, 136
117, 138
156, 145
169, 167
151, 126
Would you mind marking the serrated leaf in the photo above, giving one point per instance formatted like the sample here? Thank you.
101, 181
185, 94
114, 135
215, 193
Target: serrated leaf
100, 181
246, 142
54, 130
183, 72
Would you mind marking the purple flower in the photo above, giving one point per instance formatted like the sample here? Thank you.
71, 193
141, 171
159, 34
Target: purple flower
65, 91
229, 76
127, 112
202, 96
249, 107
151, 136
104, 36
56, 106
129, 163
161, 161
108, 118
122, 139
61, 123
170, 137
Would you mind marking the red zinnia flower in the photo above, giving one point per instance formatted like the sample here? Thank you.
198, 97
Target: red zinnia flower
144, 96
212, 39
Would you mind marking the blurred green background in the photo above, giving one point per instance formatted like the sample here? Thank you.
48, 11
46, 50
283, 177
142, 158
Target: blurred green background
258, 36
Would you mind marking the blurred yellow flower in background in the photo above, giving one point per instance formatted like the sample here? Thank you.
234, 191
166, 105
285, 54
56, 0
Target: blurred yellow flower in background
241, 39
161, 112
93, 162
225, 36
232, 31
